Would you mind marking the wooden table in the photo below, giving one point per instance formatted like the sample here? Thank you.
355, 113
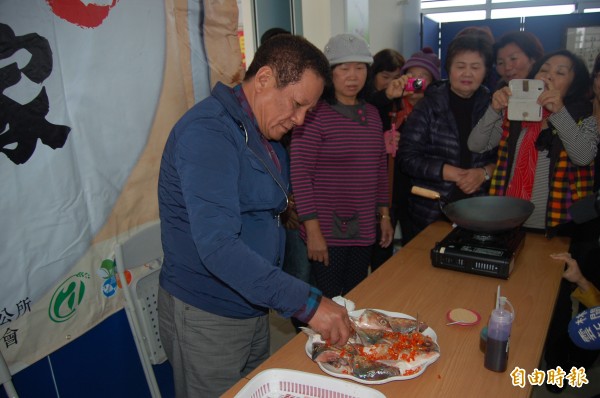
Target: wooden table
408, 283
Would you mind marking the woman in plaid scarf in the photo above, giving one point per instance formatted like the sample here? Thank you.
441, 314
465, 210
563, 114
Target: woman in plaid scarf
549, 162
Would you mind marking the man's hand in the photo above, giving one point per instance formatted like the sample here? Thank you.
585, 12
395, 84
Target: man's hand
331, 321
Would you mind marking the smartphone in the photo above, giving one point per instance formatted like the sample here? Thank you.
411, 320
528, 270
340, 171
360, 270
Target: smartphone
415, 84
522, 104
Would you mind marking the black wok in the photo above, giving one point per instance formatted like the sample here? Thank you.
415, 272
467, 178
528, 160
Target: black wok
483, 213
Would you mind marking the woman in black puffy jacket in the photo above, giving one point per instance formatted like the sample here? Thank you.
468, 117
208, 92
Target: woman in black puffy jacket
433, 149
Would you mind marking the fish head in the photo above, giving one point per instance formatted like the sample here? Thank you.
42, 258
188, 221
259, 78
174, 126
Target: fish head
372, 319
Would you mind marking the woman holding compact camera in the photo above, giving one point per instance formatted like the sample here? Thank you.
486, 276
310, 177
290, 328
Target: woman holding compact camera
433, 148
420, 71
397, 86
381, 91
547, 162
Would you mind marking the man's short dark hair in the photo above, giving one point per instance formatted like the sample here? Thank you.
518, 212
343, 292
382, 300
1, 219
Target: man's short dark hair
289, 56
269, 33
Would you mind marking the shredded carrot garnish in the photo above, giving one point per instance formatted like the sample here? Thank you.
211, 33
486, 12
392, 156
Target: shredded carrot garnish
405, 347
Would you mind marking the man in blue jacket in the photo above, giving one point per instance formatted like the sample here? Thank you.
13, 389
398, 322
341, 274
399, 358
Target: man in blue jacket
222, 187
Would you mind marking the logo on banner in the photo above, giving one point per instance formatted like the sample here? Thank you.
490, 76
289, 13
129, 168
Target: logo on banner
108, 272
67, 297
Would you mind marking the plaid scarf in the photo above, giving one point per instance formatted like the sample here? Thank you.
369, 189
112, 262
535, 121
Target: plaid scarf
567, 182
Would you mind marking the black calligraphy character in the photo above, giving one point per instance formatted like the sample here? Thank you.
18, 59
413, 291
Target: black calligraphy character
10, 337
22, 125
23, 307
5, 316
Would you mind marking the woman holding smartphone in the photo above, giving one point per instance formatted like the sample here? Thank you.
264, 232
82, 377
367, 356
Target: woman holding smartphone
549, 162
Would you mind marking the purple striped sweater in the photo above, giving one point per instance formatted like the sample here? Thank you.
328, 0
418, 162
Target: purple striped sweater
339, 174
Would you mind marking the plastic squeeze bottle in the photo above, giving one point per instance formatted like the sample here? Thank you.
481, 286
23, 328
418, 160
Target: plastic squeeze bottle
498, 336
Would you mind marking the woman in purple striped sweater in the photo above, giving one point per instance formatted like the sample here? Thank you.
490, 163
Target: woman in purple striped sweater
339, 173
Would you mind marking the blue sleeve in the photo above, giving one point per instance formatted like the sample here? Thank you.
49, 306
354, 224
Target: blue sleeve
308, 310
209, 157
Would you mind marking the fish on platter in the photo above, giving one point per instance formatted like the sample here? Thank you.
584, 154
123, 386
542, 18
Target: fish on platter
382, 347
349, 360
371, 326
375, 320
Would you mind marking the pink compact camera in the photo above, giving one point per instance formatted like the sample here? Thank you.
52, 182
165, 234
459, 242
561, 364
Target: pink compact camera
415, 84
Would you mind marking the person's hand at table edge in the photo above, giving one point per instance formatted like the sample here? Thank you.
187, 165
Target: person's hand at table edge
331, 321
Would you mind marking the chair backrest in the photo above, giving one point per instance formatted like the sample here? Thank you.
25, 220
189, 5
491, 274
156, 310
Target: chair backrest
141, 248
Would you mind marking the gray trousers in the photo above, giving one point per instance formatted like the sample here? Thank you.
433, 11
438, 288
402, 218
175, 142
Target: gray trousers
209, 353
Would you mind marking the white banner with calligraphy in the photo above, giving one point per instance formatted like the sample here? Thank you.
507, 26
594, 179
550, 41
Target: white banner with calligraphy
90, 91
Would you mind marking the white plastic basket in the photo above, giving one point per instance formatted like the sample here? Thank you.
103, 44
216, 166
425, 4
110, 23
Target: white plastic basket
285, 383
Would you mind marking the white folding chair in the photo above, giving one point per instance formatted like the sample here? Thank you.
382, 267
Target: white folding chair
142, 295
6, 379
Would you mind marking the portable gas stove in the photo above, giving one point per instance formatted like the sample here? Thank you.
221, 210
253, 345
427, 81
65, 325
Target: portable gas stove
479, 253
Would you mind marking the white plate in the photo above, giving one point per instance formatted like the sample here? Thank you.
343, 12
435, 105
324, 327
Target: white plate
355, 314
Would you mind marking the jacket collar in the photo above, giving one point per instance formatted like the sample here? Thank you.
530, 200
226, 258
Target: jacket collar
248, 128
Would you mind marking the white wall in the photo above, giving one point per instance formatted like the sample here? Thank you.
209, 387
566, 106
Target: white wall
322, 19
410, 27
385, 27
392, 24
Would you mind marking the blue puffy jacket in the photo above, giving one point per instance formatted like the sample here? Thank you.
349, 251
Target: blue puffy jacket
430, 139
220, 195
